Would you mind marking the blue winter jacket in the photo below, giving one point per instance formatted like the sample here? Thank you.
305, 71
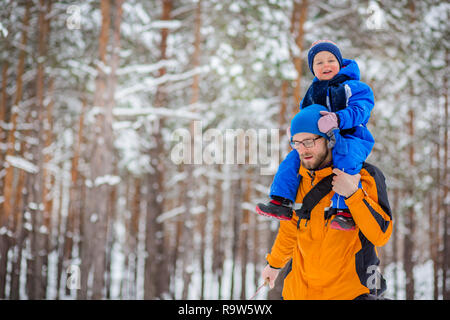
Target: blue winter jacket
354, 142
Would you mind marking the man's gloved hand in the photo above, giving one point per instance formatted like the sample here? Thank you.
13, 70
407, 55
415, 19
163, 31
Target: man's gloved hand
270, 274
328, 121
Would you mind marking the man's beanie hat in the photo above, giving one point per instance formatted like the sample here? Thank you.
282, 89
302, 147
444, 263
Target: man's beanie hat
323, 45
306, 120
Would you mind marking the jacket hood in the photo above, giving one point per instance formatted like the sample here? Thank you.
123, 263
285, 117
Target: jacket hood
350, 68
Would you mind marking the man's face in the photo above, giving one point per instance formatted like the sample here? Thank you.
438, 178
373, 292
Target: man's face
316, 156
325, 65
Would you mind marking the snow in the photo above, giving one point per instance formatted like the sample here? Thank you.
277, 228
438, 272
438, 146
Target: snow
146, 68
3, 30
141, 13
246, 53
94, 217
171, 214
107, 179
423, 281
166, 24
3, 230
177, 211
36, 206
21, 163
160, 111
151, 83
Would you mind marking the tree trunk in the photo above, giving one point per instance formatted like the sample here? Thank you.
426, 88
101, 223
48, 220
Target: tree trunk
156, 281
189, 168
203, 219
395, 258
7, 242
282, 121
112, 215
408, 258
8, 182
245, 225
3, 115
298, 19
65, 248
133, 238
41, 218
446, 238
9, 176
101, 161
434, 212
236, 214
218, 255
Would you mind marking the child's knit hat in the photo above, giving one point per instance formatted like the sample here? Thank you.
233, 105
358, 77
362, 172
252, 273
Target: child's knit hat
323, 45
306, 120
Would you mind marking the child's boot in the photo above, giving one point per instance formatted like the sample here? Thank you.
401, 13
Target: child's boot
278, 208
343, 219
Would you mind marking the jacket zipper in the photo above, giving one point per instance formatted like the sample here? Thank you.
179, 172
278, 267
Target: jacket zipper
312, 176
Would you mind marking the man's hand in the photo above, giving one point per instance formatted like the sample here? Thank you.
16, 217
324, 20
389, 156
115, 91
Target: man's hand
271, 274
345, 184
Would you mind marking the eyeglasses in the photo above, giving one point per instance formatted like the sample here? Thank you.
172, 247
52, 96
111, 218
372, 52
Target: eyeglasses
307, 143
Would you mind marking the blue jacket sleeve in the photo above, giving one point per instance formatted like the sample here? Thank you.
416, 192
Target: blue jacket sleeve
360, 104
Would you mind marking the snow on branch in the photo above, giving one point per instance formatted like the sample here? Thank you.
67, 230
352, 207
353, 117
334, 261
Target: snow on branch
179, 210
150, 83
334, 15
165, 24
107, 179
170, 214
161, 112
23, 164
146, 68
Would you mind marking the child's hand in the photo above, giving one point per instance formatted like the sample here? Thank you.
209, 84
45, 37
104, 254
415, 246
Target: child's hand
328, 121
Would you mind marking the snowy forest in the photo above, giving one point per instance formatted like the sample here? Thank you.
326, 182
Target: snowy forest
98, 197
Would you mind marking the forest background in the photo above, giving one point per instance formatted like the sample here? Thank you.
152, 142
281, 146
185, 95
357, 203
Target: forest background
95, 95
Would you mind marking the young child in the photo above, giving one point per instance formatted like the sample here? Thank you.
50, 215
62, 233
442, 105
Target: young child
336, 86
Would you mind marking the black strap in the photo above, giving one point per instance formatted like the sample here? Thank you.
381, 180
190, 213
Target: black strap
313, 197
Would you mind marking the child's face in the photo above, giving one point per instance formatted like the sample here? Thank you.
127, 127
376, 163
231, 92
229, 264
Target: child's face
325, 65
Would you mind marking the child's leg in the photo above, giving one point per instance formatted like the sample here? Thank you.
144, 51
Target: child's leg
286, 181
349, 153
283, 190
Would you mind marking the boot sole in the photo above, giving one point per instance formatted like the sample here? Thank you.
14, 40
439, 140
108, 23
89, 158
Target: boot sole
335, 225
266, 214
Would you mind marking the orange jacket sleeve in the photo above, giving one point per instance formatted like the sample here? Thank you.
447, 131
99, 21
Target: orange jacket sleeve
369, 207
284, 244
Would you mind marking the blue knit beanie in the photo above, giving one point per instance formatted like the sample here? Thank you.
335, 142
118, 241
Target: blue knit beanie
306, 120
323, 45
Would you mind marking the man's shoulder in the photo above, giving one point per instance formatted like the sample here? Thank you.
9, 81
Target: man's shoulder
374, 171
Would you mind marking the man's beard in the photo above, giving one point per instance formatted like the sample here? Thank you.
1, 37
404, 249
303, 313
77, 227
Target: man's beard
319, 161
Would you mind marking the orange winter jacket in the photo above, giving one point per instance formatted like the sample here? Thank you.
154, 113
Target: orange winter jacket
335, 264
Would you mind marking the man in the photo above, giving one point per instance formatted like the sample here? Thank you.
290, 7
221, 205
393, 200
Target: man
326, 262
